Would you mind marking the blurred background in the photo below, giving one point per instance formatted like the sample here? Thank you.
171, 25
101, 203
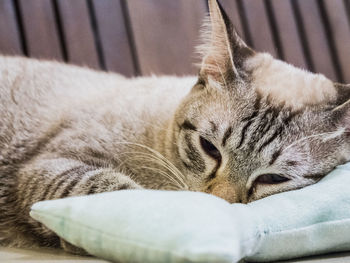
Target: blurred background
143, 37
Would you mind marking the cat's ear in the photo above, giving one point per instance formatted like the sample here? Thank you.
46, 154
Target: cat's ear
223, 51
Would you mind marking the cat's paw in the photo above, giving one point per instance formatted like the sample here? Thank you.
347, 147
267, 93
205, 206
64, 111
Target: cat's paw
107, 181
111, 181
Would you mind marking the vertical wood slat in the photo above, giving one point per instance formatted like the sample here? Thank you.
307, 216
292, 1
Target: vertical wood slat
317, 39
347, 8
78, 35
116, 46
42, 37
165, 34
9, 36
292, 47
40, 29
340, 28
231, 8
259, 27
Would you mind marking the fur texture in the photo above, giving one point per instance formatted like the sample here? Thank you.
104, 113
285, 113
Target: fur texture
247, 127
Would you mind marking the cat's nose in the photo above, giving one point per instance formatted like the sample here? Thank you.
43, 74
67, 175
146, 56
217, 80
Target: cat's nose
227, 191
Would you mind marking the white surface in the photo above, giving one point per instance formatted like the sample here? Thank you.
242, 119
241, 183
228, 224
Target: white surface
15, 255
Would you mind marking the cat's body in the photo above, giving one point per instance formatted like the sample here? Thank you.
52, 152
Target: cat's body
79, 108
247, 127
75, 116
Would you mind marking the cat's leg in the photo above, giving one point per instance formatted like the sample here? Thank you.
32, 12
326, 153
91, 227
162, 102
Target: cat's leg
45, 179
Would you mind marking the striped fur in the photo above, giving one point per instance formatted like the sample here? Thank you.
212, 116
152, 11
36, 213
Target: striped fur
67, 131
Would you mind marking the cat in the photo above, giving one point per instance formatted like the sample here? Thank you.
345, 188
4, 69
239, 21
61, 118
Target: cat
246, 127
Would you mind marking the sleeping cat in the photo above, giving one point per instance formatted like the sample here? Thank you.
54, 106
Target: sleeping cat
247, 127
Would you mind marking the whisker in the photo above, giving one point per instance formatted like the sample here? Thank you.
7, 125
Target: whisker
159, 171
158, 154
162, 163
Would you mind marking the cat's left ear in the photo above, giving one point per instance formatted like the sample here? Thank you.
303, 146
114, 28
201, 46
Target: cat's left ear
223, 51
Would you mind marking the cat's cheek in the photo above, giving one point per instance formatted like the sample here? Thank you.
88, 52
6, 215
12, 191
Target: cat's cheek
263, 190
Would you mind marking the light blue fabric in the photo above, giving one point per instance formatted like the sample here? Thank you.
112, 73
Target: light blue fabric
163, 226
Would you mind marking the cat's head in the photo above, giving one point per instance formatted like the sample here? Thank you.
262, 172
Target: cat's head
253, 125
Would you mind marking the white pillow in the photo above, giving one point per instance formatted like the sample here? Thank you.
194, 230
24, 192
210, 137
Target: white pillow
165, 226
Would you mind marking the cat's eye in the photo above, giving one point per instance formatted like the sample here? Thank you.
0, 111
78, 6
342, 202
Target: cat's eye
210, 149
271, 179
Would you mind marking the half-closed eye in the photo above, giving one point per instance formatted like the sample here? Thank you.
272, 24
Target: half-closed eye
271, 179
210, 149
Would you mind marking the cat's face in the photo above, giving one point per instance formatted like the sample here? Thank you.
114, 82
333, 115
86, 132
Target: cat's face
255, 126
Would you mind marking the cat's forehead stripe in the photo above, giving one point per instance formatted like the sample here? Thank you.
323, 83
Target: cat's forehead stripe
187, 125
214, 127
227, 135
274, 156
249, 120
284, 83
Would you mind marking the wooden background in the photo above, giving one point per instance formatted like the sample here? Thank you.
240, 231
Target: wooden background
141, 37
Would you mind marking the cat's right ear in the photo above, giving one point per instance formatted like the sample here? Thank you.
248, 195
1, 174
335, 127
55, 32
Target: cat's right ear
223, 51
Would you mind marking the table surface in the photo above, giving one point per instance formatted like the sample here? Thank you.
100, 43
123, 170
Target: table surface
15, 255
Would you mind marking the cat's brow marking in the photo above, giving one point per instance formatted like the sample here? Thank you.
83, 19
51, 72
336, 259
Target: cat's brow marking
187, 125
274, 157
214, 127
227, 135
292, 163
